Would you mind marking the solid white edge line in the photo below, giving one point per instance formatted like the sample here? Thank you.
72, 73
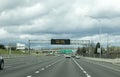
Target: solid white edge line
81, 68
78, 64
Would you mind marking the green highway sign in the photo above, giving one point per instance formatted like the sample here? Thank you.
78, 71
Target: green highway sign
66, 51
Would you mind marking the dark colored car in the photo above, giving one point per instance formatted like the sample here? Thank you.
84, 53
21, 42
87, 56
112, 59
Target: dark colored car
1, 63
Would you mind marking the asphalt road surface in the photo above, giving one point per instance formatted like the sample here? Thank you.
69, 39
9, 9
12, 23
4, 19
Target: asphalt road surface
57, 66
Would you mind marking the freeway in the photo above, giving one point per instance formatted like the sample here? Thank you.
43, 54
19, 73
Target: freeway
57, 66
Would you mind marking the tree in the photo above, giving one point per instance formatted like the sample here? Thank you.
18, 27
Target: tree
13, 48
92, 45
97, 46
78, 51
2, 46
92, 48
83, 50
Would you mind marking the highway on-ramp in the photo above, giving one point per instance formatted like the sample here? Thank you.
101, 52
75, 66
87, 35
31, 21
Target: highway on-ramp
57, 66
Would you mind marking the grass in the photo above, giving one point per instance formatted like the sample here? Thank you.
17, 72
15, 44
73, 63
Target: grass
2, 51
5, 51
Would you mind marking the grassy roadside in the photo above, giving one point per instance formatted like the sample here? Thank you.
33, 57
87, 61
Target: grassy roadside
4, 51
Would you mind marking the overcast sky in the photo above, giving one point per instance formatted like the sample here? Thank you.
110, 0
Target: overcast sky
74, 19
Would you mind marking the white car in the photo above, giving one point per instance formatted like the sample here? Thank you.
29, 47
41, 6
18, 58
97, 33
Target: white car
1, 63
67, 56
77, 57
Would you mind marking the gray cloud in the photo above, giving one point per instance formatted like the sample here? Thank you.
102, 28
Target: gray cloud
8, 4
106, 14
32, 19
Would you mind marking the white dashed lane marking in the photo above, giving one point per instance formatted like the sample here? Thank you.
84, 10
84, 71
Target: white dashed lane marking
49, 65
29, 76
88, 76
37, 72
42, 69
46, 66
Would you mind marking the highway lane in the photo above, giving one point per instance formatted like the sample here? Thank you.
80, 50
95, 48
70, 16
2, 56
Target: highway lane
99, 69
19, 67
109, 65
78, 68
65, 68
15, 62
54, 66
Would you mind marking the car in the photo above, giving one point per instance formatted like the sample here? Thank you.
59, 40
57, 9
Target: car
77, 57
1, 63
67, 56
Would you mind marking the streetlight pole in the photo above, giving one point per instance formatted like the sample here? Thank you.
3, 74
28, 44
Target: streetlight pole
107, 45
100, 37
29, 46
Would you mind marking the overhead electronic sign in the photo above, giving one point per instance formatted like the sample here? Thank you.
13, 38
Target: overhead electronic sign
60, 41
